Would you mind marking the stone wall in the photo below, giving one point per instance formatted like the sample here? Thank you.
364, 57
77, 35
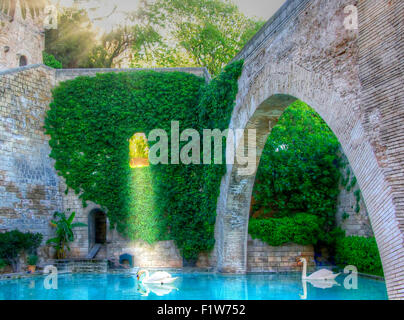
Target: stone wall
264, 258
30, 190
354, 223
22, 37
353, 78
29, 186
68, 74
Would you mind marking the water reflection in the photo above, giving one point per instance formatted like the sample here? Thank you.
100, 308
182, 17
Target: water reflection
322, 284
158, 289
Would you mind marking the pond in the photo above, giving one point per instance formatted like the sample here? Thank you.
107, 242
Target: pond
190, 286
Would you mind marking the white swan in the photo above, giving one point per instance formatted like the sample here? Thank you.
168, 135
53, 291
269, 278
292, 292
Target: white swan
157, 289
322, 274
160, 277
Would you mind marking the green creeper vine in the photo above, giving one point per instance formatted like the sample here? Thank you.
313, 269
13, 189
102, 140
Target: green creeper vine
91, 122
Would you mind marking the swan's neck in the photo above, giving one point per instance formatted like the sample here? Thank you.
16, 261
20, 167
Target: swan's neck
304, 272
146, 276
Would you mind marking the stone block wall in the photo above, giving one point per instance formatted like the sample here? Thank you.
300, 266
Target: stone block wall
30, 189
29, 186
23, 37
354, 223
262, 257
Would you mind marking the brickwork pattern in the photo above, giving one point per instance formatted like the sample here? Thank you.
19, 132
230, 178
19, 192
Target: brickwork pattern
264, 258
354, 80
29, 186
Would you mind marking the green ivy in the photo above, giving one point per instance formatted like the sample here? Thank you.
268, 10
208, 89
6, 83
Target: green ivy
91, 121
301, 229
361, 252
50, 61
299, 170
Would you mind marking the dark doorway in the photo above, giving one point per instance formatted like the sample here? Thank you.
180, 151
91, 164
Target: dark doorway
97, 227
100, 223
23, 61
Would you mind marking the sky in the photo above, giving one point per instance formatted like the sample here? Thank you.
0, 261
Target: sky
263, 9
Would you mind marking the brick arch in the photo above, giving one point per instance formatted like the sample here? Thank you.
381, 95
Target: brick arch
352, 77
260, 107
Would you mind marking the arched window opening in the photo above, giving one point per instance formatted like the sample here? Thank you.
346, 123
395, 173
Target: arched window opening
138, 151
23, 61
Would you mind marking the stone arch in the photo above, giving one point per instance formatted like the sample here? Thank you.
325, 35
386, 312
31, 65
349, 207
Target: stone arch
262, 98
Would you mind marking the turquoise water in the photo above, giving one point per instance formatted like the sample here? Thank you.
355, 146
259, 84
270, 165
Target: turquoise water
190, 286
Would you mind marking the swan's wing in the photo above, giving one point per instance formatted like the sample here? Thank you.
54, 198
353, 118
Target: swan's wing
323, 274
169, 280
158, 276
323, 284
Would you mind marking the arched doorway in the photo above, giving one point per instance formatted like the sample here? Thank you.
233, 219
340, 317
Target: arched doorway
23, 61
97, 228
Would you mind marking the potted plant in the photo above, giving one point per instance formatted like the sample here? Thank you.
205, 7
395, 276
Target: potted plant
32, 261
64, 233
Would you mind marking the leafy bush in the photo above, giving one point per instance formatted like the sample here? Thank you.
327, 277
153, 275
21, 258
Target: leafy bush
50, 61
299, 171
361, 252
91, 121
14, 242
64, 232
3, 263
300, 229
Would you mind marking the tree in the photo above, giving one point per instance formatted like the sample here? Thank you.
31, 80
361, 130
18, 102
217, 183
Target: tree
205, 33
114, 46
14, 242
74, 39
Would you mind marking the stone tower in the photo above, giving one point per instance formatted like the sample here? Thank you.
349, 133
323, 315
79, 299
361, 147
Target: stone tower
22, 36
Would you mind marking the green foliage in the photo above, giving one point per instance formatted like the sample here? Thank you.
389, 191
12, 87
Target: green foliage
206, 33
91, 121
32, 260
14, 242
64, 232
300, 229
50, 61
299, 169
361, 252
3, 264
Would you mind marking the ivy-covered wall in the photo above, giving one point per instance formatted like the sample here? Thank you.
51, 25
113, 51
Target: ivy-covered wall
91, 120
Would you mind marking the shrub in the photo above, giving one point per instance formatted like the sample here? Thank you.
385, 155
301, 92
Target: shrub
301, 229
3, 263
50, 61
14, 242
299, 169
361, 252
32, 260
64, 232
